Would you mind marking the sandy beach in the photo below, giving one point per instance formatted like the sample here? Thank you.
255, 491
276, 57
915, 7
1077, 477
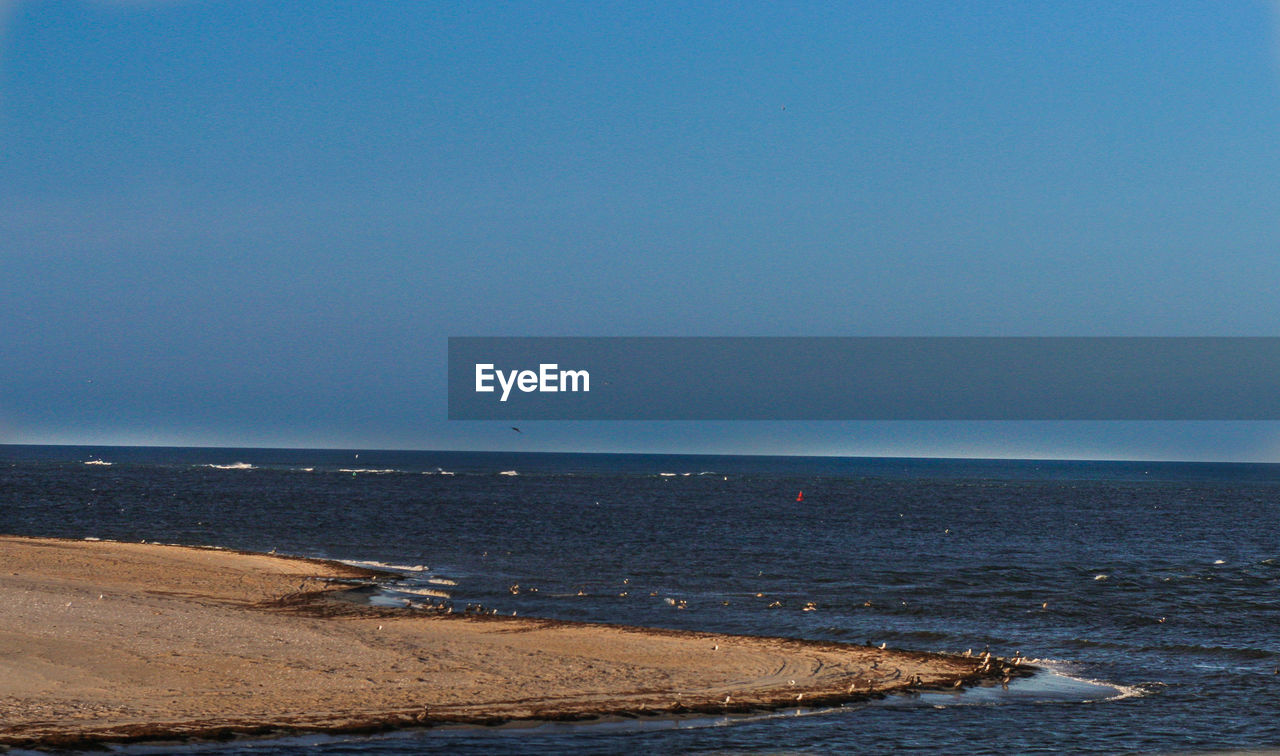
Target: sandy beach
105, 641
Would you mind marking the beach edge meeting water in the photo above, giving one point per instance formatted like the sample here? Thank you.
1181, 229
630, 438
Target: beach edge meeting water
111, 642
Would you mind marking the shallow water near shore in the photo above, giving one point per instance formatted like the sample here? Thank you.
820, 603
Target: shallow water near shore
1158, 582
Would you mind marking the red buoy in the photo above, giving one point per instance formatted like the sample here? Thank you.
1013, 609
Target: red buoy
800, 497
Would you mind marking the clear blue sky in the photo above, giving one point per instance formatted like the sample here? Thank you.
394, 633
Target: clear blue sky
247, 223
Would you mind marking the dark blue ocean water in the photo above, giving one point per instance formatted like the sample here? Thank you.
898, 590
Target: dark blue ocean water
1161, 581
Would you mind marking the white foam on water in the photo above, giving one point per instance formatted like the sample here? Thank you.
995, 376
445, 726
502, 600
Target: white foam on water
373, 565
98, 462
431, 592
508, 472
232, 466
1052, 683
1057, 679
366, 470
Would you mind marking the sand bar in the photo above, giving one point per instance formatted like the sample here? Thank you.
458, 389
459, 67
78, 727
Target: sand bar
115, 642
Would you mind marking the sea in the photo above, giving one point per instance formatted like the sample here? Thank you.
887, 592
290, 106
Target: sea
1148, 593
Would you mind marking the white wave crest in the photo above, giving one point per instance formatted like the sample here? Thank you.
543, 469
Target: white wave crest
1048, 662
508, 472
232, 466
432, 592
385, 566
97, 462
1117, 691
366, 470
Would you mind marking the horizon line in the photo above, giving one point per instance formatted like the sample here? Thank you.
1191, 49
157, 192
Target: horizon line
370, 449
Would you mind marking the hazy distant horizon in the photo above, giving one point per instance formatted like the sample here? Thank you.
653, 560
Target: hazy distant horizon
89, 447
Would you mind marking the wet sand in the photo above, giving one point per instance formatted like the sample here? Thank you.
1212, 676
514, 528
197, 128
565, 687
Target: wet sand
115, 642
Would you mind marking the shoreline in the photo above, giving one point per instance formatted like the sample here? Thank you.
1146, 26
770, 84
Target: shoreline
113, 642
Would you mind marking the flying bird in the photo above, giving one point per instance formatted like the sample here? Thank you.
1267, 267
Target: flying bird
517, 430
